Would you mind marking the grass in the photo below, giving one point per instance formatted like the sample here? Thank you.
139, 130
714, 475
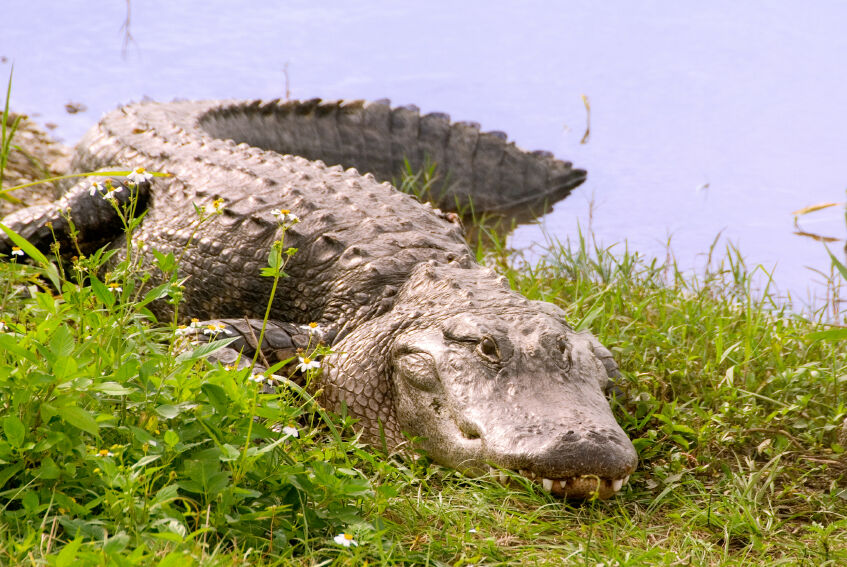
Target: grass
121, 444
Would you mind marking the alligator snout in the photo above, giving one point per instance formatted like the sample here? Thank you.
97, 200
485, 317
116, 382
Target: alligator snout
567, 450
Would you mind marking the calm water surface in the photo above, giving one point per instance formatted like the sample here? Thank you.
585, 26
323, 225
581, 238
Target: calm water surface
705, 118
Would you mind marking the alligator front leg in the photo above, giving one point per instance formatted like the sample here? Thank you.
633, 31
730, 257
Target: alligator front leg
281, 341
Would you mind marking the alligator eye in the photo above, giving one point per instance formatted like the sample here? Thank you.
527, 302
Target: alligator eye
487, 348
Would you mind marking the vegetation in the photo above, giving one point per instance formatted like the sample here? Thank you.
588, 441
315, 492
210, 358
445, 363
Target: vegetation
120, 444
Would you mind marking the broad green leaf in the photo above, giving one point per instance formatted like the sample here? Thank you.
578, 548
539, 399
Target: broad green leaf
171, 438
102, 292
15, 431
168, 411
79, 418
116, 543
49, 470
10, 344
114, 389
204, 350
146, 460
9, 472
157, 292
217, 397
62, 342
67, 556
63, 367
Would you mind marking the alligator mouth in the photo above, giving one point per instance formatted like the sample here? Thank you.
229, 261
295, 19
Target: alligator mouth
577, 488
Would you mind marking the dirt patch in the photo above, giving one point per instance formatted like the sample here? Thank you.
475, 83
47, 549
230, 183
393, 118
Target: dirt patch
37, 156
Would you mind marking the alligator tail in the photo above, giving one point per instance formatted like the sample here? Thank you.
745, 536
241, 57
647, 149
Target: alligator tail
479, 169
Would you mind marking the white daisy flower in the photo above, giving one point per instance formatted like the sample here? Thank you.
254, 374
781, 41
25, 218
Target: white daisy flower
112, 192
215, 208
345, 540
285, 216
139, 174
307, 364
216, 328
115, 287
291, 431
96, 187
16, 251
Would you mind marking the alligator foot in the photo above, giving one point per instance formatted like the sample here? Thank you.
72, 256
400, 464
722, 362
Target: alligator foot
281, 341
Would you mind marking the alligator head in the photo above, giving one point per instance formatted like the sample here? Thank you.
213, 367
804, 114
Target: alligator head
486, 378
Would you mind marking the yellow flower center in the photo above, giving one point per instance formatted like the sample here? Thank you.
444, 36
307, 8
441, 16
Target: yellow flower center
103, 452
313, 325
348, 536
114, 285
307, 360
140, 170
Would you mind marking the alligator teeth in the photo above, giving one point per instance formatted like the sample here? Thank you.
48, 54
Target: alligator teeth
617, 484
504, 478
547, 484
626, 479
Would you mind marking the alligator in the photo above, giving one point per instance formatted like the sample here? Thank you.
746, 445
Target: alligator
427, 344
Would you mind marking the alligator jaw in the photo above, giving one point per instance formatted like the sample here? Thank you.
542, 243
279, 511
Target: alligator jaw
576, 488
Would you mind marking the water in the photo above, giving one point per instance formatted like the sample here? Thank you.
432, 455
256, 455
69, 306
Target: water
704, 118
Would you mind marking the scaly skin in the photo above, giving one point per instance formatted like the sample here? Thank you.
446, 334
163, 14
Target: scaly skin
427, 342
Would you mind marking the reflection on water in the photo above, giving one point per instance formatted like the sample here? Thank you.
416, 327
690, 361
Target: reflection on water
722, 116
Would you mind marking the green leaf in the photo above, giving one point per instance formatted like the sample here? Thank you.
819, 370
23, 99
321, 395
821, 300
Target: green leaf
10, 343
15, 431
168, 411
67, 556
116, 543
62, 342
217, 397
828, 335
49, 470
114, 389
842, 269
9, 472
171, 438
63, 367
586, 321
205, 350
79, 418
165, 262
146, 460
157, 292
105, 296
49, 270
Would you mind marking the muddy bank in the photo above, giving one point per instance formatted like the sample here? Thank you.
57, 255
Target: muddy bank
37, 156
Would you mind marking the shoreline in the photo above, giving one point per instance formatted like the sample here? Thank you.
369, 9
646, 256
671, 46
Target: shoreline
33, 155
